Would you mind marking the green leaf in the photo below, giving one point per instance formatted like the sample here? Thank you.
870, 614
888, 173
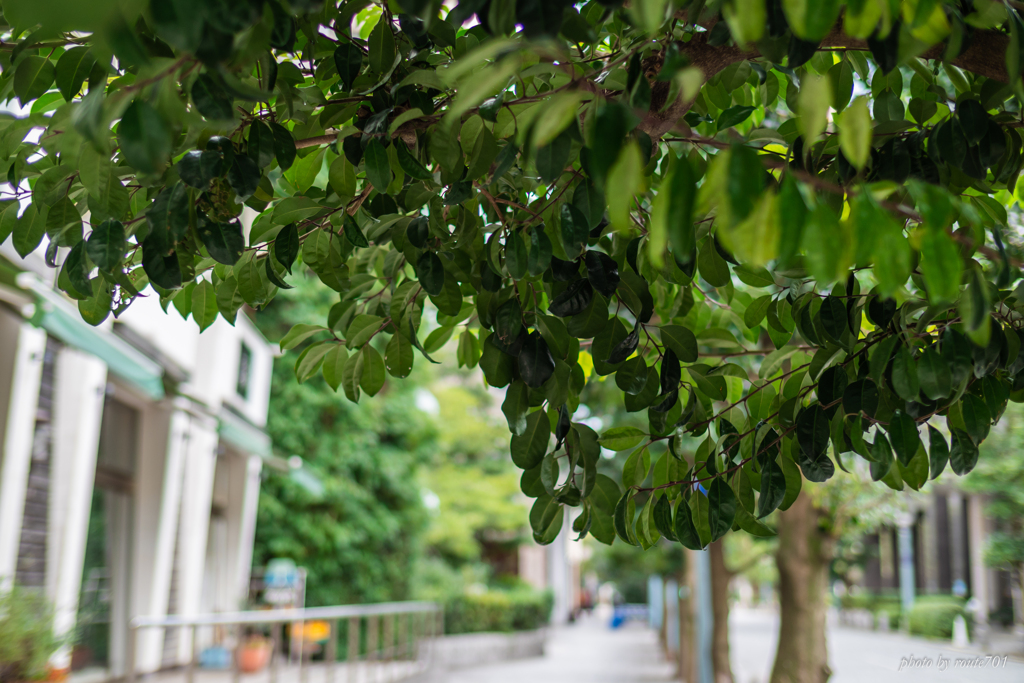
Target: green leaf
204, 304
378, 167
934, 375
773, 487
721, 508
430, 273
756, 311
260, 147
626, 176
941, 266
976, 417
812, 433
529, 448
546, 518
682, 342
398, 356
382, 46
374, 375
903, 436
298, 334
106, 245
938, 451
284, 146
621, 438
223, 241
685, 530
334, 365
814, 102
310, 360
904, 375
515, 406
29, 230
212, 100
72, 69
963, 453
33, 77
144, 137
854, 125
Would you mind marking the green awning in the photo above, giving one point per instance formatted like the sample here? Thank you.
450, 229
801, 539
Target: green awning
244, 436
60, 318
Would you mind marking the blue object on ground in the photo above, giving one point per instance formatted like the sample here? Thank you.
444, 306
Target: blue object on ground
215, 657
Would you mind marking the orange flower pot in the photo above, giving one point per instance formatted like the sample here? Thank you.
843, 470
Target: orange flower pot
254, 656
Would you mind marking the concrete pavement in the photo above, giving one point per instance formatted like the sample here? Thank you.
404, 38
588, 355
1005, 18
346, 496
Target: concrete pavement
587, 652
858, 656
590, 652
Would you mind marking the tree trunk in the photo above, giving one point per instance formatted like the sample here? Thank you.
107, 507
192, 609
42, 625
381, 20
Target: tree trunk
803, 559
687, 629
720, 577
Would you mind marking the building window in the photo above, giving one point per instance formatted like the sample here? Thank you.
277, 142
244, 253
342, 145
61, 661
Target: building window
244, 371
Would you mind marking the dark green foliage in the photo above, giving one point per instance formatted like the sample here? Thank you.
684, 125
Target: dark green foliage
826, 283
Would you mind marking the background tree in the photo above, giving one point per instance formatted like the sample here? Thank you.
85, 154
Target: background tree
359, 538
651, 193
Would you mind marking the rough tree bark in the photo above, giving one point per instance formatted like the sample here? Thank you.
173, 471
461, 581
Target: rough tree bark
803, 557
720, 578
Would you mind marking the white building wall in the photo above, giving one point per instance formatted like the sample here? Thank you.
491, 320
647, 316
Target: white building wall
29, 344
78, 408
196, 495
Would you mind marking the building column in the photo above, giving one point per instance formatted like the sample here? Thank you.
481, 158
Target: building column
980, 594
79, 392
670, 600
930, 546
558, 574
957, 542
247, 528
655, 599
159, 478
196, 499
906, 549
16, 457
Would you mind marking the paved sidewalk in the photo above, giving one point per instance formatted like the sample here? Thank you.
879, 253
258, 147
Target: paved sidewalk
586, 652
858, 656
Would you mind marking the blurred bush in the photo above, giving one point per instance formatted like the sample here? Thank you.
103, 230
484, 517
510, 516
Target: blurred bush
876, 603
933, 616
27, 639
517, 609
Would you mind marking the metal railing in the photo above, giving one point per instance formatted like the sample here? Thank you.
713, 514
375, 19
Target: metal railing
394, 632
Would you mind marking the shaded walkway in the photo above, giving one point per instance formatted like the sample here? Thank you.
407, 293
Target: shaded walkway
586, 652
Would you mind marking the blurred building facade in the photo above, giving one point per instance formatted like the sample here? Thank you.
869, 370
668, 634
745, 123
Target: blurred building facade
948, 531
130, 464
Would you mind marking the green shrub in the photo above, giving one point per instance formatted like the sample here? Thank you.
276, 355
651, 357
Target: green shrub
933, 616
27, 639
497, 610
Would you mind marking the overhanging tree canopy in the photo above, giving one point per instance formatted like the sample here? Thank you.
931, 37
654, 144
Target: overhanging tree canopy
777, 224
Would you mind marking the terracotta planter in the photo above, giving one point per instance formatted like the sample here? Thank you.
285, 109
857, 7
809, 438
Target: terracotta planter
253, 657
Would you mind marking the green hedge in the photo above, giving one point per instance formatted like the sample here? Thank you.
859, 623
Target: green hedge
497, 610
875, 603
933, 616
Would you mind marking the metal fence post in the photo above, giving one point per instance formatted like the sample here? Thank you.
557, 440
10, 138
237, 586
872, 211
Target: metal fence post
331, 656
275, 639
129, 671
190, 671
352, 656
236, 670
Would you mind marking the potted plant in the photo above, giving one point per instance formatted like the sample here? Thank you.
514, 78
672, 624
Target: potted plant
27, 639
254, 653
